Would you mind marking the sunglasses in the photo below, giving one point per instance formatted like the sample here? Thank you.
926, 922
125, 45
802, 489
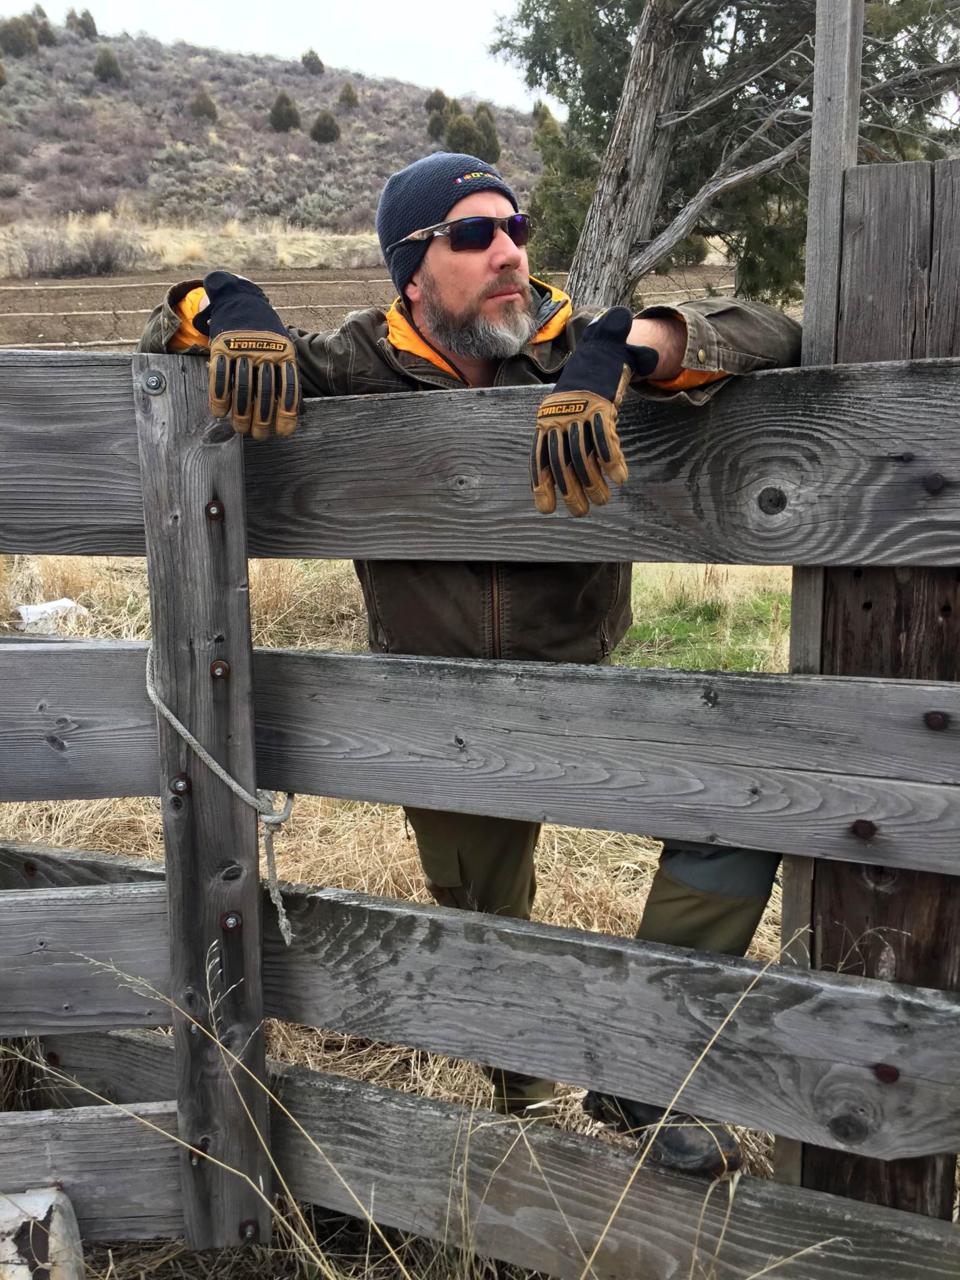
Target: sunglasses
473, 234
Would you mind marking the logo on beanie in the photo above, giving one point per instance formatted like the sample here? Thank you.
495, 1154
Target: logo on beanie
467, 177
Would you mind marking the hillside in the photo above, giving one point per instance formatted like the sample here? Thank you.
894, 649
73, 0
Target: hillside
70, 142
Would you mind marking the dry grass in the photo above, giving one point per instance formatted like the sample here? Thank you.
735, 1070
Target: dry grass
107, 243
589, 879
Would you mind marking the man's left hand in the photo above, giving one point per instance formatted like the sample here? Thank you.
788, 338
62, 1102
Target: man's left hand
576, 448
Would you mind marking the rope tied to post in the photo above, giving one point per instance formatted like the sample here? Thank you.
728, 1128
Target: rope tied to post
263, 802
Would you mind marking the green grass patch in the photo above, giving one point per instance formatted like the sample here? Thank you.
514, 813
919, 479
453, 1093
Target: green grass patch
721, 633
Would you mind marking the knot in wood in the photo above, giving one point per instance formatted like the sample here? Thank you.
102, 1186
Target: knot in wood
771, 500
864, 829
937, 720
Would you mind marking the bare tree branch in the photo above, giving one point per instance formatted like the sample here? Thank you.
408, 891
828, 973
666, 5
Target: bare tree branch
686, 219
676, 117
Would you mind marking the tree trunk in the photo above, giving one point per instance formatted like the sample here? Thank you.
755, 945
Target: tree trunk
634, 167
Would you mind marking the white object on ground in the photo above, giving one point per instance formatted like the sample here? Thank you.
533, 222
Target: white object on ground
42, 619
39, 1235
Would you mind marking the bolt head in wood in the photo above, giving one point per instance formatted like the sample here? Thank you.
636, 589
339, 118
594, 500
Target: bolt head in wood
934, 482
864, 829
885, 1073
249, 1231
214, 510
231, 920
220, 669
180, 784
937, 720
771, 500
154, 383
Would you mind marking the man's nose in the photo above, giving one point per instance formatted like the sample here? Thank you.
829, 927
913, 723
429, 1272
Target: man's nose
505, 252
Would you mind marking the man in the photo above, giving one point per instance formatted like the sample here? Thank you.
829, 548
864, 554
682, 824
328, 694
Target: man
468, 314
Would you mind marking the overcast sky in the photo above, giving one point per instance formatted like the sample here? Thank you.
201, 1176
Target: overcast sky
429, 42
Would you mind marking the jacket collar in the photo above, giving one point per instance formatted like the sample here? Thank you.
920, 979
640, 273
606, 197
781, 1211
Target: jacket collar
553, 311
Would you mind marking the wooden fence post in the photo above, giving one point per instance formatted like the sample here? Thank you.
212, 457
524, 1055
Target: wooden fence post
195, 518
872, 295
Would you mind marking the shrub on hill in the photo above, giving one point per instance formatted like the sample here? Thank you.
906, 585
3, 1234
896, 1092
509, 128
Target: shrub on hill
348, 100
284, 115
81, 24
107, 67
18, 37
3, 76
203, 107
463, 135
325, 128
436, 125
435, 101
313, 62
483, 119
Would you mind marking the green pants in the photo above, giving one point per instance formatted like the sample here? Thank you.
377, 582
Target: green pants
704, 897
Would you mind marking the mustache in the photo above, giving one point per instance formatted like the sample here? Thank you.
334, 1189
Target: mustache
511, 280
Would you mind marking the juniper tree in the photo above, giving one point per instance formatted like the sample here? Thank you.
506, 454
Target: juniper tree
313, 63
284, 115
325, 128
715, 101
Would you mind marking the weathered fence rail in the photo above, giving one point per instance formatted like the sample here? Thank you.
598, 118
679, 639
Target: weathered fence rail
801, 466
795, 764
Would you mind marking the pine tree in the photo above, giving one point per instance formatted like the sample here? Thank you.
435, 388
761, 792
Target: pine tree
284, 115
107, 68
435, 101
348, 100
203, 107
325, 128
313, 63
490, 147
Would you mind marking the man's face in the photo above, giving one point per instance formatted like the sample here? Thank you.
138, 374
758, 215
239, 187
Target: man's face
475, 303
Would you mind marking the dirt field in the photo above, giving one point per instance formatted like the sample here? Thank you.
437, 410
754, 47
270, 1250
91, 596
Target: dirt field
108, 313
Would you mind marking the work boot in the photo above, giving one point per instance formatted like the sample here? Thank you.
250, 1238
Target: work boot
683, 1143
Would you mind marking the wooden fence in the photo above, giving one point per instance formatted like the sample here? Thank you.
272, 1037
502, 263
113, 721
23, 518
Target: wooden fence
818, 767
852, 465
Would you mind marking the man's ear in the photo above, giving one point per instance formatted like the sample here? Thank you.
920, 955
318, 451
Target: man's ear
412, 291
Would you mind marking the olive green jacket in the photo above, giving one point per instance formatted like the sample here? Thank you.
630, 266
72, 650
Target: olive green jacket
547, 612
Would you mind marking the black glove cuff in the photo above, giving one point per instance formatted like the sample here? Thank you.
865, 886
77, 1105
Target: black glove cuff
236, 303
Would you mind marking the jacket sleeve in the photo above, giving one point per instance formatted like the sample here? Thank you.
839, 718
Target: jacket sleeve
327, 361
725, 337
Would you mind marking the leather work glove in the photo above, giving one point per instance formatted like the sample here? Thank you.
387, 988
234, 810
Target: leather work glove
576, 448
253, 364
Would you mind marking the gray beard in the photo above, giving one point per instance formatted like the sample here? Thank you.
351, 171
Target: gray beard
472, 335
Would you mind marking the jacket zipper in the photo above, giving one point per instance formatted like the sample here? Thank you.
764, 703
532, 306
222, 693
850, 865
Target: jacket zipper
495, 609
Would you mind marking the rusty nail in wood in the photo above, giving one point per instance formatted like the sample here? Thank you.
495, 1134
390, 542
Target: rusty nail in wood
220, 669
249, 1231
934, 482
180, 784
231, 920
214, 510
154, 383
885, 1073
936, 719
864, 829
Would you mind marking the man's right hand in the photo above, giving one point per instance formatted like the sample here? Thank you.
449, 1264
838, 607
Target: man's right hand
253, 364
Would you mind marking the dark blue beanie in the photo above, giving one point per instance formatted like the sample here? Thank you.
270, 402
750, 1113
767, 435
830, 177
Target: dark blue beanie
423, 194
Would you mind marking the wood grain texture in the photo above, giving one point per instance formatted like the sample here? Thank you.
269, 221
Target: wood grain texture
200, 619
541, 1199
833, 150
893, 622
943, 307
769, 761
67, 956
443, 475
885, 269
798, 1056
119, 1170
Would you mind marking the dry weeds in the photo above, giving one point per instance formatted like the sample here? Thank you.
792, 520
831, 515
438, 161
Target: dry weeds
588, 879
106, 243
